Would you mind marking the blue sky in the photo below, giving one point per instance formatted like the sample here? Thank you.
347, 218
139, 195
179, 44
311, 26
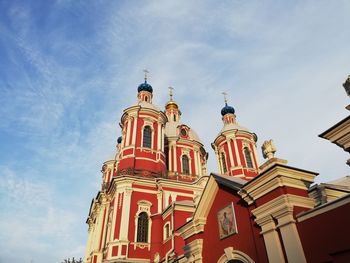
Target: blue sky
69, 68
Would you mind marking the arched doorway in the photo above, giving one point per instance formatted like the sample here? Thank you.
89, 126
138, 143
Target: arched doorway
234, 256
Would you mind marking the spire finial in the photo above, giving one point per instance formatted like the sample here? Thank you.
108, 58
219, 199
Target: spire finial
146, 73
171, 92
225, 97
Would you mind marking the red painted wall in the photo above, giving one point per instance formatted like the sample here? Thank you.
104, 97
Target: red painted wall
326, 237
248, 238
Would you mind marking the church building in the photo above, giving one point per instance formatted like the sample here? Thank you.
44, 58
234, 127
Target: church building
158, 203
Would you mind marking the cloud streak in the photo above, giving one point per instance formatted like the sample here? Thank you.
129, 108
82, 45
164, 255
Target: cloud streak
68, 70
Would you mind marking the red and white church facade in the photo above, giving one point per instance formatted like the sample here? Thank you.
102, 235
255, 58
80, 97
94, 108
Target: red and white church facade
157, 202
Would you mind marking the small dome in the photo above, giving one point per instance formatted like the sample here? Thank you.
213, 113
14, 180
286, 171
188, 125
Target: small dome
227, 109
119, 140
145, 87
171, 105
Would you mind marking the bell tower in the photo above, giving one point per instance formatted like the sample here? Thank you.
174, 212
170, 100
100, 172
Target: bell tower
142, 144
235, 147
185, 154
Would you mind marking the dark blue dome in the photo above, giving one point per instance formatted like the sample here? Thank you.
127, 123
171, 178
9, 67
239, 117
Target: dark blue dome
227, 109
145, 86
119, 139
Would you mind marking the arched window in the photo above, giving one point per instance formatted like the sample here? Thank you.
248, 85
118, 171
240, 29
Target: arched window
142, 228
223, 161
248, 158
147, 137
185, 164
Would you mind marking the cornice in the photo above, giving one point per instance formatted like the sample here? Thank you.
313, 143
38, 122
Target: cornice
192, 227
276, 176
128, 181
281, 205
338, 130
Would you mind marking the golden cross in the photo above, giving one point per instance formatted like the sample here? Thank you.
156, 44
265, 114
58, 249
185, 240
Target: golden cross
146, 72
171, 92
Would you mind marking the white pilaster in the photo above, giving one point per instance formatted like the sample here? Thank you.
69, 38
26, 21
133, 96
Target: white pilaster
115, 212
256, 157
124, 223
272, 241
159, 200
170, 158
162, 138
195, 162
239, 163
228, 141
134, 132
175, 158
200, 173
159, 133
128, 130
290, 237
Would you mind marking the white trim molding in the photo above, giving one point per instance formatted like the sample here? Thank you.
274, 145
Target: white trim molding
231, 254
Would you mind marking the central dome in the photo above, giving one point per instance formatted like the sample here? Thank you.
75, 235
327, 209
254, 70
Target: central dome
145, 87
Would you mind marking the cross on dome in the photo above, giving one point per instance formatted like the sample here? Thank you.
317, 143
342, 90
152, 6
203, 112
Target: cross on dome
225, 96
146, 74
227, 109
145, 86
171, 92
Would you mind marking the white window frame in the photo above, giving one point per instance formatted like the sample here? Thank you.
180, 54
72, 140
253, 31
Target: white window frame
165, 237
143, 206
150, 124
246, 146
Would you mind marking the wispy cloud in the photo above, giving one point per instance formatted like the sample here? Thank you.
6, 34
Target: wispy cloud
68, 70
32, 219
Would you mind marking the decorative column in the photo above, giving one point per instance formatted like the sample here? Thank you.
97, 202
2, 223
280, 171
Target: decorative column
134, 132
170, 158
239, 163
230, 154
271, 239
162, 139
195, 159
256, 157
175, 158
159, 133
290, 237
125, 214
127, 143
199, 163
159, 200
113, 226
